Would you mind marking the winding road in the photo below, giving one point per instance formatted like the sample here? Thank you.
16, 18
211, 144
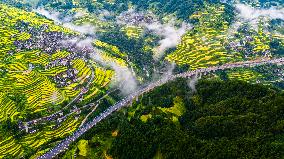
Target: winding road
64, 144
56, 114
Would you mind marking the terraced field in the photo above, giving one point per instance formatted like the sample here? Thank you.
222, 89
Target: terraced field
35, 83
213, 42
132, 31
96, 21
245, 75
8, 108
10, 147
111, 53
46, 82
204, 46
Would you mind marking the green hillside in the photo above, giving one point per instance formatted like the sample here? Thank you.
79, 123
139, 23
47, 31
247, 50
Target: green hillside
29, 85
221, 120
64, 62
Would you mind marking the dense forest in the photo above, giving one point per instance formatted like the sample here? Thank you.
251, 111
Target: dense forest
230, 119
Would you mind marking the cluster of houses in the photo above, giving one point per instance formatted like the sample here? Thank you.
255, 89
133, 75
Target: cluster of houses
135, 18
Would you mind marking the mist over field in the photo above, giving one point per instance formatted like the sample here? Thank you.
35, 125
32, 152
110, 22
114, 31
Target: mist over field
130, 79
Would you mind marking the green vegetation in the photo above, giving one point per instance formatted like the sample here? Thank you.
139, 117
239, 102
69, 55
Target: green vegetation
111, 53
178, 109
231, 119
223, 119
28, 89
82, 146
205, 45
132, 31
214, 42
245, 75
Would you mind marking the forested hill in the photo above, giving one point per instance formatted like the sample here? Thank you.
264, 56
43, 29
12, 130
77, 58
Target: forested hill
229, 119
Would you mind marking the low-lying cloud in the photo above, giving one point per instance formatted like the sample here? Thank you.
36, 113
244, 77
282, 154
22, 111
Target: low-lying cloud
66, 21
171, 36
251, 15
193, 82
50, 15
79, 42
125, 79
83, 29
169, 70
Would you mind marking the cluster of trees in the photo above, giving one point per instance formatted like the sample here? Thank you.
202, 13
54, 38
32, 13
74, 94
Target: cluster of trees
223, 120
133, 48
277, 48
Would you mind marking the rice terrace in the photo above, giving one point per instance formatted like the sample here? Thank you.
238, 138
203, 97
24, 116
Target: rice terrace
120, 79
